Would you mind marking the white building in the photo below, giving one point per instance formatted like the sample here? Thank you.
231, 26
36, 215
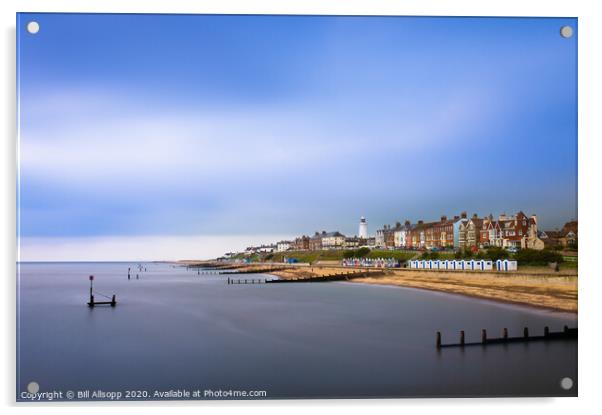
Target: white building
363, 230
401, 235
333, 240
283, 246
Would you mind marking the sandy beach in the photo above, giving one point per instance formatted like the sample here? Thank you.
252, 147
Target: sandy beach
555, 293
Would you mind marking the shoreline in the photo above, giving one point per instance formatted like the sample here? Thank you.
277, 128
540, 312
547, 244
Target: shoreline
540, 289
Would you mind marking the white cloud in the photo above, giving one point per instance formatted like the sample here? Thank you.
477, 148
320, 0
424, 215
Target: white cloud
98, 137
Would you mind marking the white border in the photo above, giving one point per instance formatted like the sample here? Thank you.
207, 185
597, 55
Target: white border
590, 136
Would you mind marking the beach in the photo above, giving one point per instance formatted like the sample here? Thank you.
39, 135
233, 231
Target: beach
538, 287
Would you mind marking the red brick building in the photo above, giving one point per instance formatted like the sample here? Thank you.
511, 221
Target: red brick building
301, 243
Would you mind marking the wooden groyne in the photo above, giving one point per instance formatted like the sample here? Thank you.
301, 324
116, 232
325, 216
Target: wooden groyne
212, 266
237, 281
254, 271
566, 334
345, 276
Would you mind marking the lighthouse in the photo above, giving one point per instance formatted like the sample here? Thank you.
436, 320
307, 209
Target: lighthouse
363, 231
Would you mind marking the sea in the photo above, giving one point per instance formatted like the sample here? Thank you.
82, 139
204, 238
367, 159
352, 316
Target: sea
179, 333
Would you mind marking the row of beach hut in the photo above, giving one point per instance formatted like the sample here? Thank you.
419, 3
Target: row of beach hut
370, 262
464, 264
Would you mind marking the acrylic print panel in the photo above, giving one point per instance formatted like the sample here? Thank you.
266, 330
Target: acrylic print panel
270, 207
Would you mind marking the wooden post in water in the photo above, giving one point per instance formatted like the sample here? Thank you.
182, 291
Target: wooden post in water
526, 332
483, 336
91, 303
505, 334
546, 331
113, 302
566, 329
462, 338
438, 340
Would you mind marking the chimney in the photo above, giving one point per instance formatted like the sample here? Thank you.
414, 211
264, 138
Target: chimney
443, 218
463, 215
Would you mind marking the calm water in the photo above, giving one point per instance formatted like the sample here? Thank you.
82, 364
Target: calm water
173, 329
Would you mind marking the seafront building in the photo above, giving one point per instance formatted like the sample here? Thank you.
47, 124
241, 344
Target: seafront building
461, 232
458, 232
261, 249
332, 240
315, 242
283, 246
301, 243
565, 237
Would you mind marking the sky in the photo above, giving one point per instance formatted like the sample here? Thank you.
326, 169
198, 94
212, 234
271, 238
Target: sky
187, 136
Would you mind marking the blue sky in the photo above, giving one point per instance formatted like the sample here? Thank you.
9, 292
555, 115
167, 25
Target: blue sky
247, 128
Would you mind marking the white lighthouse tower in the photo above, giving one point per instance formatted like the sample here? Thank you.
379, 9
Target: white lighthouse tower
363, 231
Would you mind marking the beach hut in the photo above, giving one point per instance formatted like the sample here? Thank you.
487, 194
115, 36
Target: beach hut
471, 264
460, 264
483, 265
506, 265
437, 264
